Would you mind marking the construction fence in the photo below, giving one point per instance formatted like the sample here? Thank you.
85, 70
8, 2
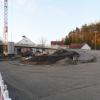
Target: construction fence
4, 94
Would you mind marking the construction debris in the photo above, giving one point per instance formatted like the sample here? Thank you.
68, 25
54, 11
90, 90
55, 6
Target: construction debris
52, 58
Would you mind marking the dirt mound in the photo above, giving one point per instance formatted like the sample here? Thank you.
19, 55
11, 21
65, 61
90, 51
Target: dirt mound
53, 58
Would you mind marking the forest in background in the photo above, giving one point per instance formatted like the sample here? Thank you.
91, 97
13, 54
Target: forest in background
89, 34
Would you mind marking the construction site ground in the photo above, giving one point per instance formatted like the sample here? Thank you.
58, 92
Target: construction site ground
52, 82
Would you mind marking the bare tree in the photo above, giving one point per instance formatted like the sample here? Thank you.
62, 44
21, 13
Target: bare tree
43, 41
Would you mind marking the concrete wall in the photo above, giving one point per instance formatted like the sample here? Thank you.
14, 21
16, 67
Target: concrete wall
11, 47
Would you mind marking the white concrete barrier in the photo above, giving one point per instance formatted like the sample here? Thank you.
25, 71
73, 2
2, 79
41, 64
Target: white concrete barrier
4, 94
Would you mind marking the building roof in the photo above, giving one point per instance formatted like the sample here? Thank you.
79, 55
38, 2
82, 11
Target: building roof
25, 42
76, 45
57, 42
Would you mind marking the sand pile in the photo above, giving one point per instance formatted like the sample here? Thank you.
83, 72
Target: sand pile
85, 57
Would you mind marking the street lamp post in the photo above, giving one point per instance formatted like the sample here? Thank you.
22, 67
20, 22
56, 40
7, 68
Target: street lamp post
95, 38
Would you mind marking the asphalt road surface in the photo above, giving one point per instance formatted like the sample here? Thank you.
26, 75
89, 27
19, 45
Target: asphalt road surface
52, 82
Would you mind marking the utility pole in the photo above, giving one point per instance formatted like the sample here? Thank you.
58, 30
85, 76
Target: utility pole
95, 38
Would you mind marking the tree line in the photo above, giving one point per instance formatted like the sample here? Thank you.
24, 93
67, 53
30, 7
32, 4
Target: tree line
89, 34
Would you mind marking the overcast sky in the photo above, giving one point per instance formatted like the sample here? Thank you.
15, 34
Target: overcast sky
50, 19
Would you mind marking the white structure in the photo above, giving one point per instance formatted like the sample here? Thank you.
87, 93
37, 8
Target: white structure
23, 46
86, 46
10, 47
4, 94
25, 42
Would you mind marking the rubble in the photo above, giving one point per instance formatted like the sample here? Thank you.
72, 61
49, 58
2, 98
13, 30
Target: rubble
61, 56
52, 58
